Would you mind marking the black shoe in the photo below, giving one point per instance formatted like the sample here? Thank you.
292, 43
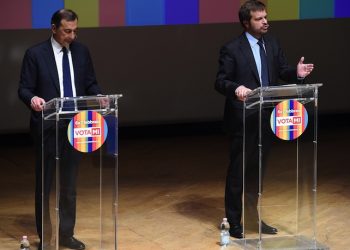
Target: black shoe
236, 231
45, 247
71, 243
266, 229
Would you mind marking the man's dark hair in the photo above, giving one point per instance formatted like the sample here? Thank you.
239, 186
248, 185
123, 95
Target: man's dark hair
63, 14
247, 7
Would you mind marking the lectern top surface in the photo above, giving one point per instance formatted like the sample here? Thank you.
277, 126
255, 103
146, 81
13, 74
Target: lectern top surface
283, 90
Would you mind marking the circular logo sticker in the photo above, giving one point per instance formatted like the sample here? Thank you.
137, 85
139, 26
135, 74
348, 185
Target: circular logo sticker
289, 120
87, 131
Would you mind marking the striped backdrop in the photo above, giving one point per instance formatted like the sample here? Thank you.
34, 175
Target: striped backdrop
28, 14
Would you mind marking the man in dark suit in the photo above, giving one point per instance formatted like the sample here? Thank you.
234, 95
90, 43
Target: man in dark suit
252, 60
45, 76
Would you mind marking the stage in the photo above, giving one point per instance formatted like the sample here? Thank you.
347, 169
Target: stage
171, 191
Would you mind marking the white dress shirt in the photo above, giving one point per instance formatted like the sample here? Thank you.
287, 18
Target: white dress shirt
57, 50
256, 51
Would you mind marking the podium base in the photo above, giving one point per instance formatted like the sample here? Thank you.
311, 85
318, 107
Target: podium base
280, 243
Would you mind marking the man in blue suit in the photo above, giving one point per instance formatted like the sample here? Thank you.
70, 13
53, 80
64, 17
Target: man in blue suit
45, 76
253, 59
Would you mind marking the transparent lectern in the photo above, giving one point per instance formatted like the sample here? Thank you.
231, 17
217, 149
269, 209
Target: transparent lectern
80, 171
280, 168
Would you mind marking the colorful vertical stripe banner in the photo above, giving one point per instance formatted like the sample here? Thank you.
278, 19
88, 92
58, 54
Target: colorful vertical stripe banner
36, 14
289, 120
87, 131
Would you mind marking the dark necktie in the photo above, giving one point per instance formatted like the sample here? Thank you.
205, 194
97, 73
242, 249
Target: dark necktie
67, 81
264, 67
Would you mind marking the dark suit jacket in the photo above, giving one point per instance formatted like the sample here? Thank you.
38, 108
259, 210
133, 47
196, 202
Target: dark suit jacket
39, 75
237, 67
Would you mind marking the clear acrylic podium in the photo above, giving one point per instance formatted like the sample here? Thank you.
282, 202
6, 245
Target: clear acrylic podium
80, 171
280, 168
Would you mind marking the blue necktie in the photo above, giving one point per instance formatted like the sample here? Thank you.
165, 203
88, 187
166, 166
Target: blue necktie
264, 67
67, 81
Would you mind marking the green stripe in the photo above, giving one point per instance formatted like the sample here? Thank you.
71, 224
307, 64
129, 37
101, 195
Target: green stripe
87, 10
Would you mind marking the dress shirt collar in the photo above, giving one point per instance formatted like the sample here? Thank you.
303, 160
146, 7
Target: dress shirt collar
252, 40
57, 48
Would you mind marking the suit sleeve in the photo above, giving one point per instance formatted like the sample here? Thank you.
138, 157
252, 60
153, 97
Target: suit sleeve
286, 72
28, 78
224, 83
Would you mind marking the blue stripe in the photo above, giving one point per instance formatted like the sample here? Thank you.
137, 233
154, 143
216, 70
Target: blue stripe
181, 12
145, 12
342, 8
42, 11
89, 145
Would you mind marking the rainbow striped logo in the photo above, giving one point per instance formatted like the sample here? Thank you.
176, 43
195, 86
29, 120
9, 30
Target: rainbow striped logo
289, 120
87, 131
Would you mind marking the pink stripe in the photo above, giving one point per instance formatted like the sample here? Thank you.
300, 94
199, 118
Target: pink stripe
112, 13
16, 14
218, 11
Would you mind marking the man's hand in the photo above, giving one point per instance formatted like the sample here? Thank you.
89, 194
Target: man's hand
37, 103
104, 101
242, 92
303, 70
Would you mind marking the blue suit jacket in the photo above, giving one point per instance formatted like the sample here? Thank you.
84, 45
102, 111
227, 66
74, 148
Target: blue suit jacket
237, 67
39, 75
